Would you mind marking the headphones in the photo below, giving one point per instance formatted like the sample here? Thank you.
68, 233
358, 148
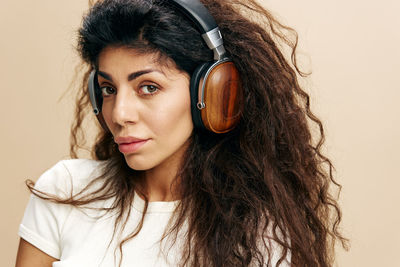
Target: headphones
215, 87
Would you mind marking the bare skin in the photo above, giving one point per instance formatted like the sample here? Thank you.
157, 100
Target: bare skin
30, 256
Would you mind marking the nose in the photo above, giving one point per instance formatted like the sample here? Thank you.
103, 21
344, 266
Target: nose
125, 108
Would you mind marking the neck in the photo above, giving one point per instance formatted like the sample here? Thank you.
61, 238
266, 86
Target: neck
158, 185
161, 182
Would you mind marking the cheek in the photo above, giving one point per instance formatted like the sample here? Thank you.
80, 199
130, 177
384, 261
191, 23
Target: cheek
106, 112
174, 115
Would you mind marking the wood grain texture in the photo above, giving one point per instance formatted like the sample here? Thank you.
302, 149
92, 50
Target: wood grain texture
223, 98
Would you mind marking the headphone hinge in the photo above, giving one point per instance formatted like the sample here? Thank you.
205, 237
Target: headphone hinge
214, 41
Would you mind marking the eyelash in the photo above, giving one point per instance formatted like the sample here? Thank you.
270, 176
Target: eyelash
150, 93
105, 88
104, 92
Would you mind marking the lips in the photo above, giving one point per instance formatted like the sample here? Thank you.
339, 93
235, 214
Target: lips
129, 144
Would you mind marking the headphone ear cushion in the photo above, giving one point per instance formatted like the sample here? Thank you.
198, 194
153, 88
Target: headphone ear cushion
195, 83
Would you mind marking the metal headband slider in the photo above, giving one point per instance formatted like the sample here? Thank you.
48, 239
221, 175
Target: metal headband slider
214, 41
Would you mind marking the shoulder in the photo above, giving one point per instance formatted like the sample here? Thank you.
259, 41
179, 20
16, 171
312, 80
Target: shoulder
43, 221
69, 176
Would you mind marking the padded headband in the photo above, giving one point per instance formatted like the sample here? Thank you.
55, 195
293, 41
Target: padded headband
198, 13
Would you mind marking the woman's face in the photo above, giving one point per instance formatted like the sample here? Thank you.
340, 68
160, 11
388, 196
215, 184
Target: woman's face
146, 106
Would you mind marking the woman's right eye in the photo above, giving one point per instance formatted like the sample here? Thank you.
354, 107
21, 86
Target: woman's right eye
107, 90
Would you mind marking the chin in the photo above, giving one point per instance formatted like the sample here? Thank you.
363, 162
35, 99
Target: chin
137, 163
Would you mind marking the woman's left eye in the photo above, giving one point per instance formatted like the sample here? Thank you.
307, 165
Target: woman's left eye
148, 89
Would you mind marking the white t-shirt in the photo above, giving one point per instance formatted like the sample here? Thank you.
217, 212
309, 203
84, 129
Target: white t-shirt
80, 237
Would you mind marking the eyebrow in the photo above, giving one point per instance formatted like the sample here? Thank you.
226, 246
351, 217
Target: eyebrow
131, 76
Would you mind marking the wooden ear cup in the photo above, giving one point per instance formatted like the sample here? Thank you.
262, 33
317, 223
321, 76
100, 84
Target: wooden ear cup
223, 98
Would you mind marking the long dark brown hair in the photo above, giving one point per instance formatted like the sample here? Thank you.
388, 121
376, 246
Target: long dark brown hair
265, 179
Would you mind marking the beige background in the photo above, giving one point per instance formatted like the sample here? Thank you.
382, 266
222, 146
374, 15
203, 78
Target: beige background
353, 48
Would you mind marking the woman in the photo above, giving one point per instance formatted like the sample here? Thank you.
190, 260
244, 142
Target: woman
172, 183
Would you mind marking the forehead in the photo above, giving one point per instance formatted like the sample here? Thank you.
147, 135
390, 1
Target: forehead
122, 57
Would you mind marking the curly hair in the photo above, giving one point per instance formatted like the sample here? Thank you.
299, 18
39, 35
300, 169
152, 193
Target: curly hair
265, 178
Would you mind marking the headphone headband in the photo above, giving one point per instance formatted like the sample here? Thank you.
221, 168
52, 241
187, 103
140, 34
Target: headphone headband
198, 13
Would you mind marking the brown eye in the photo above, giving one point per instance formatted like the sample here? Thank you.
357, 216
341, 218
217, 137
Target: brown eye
107, 90
148, 89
